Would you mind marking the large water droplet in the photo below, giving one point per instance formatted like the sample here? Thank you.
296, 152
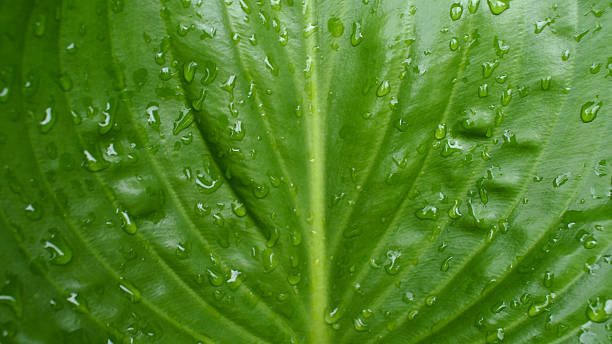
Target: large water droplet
589, 110
598, 310
335, 27
456, 11
497, 7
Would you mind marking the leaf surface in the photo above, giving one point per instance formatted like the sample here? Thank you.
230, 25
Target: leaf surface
218, 171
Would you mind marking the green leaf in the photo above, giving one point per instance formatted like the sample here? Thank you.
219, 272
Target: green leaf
283, 171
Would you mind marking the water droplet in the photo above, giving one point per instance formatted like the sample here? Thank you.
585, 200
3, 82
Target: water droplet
431, 300
408, 297
273, 237
428, 212
11, 295
4, 94
446, 264
185, 119
93, 163
270, 262
239, 209
440, 131
215, 279
109, 114
506, 96
209, 72
565, 55
126, 221
483, 90
453, 44
166, 73
537, 307
501, 48
235, 279
33, 211
488, 68
183, 250
65, 82
545, 83
40, 25
332, 315
549, 278
392, 265
357, 36
132, 293
473, 6
454, 212
271, 66
560, 180
260, 190
598, 310
497, 7
589, 110
541, 24
383, 89
61, 253
48, 121
456, 11
189, 70
228, 86
335, 27
207, 184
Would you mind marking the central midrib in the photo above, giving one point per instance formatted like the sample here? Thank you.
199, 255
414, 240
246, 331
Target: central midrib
316, 168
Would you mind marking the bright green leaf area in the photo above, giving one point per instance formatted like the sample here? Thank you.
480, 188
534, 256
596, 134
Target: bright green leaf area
306, 171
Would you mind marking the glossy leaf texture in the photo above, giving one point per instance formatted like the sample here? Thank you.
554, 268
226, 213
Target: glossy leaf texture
284, 171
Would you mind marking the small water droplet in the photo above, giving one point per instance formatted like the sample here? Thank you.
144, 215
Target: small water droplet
383, 89
93, 163
542, 24
11, 295
65, 82
269, 259
453, 44
454, 212
48, 121
488, 68
189, 70
40, 25
440, 131
446, 264
428, 212
185, 119
483, 90
473, 6
260, 190
545, 83
357, 36
271, 66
